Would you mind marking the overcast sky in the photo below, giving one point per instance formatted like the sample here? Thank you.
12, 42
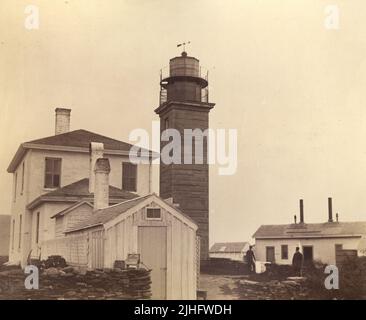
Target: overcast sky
294, 90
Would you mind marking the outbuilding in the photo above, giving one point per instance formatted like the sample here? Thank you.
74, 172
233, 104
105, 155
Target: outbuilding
321, 242
163, 236
229, 250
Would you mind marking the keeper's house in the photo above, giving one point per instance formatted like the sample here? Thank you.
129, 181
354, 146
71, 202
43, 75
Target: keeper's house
317, 241
54, 173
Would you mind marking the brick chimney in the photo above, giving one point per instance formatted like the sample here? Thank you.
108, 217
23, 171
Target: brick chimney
96, 151
62, 121
330, 210
301, 211
101, 194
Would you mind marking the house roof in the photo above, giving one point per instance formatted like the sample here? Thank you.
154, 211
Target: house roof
311, 230
102, 216
77, 140
82, 138
228, 247
79, 191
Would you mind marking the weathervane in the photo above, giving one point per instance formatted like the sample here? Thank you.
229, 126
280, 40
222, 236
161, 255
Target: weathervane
184, 45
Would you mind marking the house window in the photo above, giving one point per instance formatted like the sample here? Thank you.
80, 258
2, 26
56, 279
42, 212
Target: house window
22, 185
15, 185
129, 176
13, 235
338, 247
284, 252
37, 227
52, 173
20, 231
153, 213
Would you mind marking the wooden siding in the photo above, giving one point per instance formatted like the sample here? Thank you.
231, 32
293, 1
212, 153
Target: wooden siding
77, 215
122, 239
75, 249
96, 246
60, 227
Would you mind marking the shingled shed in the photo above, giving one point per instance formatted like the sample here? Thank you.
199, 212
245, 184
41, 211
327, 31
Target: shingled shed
164, 237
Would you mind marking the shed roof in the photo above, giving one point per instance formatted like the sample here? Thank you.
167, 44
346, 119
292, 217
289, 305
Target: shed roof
228, 247
311, 230
102, 216
79, 190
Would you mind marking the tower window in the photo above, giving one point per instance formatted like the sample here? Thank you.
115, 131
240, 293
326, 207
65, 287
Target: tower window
129, 176
153, 213
166, 123
52, 173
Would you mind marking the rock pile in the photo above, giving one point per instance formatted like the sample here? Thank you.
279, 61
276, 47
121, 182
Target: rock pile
69, 283
224, 266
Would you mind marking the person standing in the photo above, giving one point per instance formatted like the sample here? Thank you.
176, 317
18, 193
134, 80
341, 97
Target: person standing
250, 259
297, 262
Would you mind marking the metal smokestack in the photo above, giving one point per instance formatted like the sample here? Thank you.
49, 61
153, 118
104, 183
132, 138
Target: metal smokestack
330, 212
301, 211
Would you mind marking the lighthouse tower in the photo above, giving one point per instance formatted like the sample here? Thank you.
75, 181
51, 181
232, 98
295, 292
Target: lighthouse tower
184, 105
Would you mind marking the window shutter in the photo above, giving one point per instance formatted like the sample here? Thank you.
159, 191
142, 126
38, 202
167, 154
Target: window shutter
129, 176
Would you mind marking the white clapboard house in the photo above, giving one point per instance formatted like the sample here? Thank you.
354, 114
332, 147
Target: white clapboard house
316, 241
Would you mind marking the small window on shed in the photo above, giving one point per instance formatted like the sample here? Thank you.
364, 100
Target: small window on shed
153, 213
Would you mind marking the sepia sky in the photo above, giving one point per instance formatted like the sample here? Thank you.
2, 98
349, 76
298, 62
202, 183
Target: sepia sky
294, 90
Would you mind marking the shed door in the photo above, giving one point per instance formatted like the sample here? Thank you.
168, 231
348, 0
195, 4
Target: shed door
308, 254
270, 254
153, 251
97, 249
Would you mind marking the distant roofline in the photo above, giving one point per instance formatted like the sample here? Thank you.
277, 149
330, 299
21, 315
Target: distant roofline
228, 244
309, 237
312, 234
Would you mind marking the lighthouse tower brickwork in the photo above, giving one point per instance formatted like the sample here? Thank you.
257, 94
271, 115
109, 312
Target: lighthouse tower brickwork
184, 105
